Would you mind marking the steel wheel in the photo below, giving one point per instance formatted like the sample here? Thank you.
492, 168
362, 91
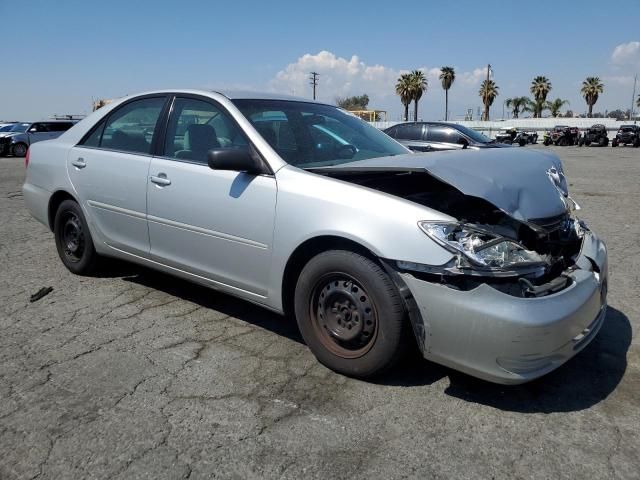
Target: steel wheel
73, 240
343, 315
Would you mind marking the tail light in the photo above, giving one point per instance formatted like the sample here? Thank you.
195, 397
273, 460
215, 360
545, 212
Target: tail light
26, 158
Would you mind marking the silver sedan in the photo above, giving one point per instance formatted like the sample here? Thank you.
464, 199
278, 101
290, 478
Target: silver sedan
306, 210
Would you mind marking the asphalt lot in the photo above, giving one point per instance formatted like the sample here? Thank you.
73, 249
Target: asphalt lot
139, 375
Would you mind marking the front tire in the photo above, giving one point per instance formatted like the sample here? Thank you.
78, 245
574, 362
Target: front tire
19, 150
73, 239
350, 313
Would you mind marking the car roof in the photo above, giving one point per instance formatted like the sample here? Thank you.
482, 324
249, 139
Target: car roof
228, 93
248, 94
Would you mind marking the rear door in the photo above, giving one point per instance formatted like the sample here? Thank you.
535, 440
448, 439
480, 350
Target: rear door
37, 132
212, 223
411, 135
109, 171
441, 137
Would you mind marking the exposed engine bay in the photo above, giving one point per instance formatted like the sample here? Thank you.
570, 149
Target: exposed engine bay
545, 249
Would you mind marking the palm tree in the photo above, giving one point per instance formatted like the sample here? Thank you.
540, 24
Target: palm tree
540, 88
555, 106
447, 76
592, 87
404, 90
418, 86
517, 104
488, 92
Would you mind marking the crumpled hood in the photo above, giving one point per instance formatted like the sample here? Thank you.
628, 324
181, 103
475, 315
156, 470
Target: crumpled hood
525, 184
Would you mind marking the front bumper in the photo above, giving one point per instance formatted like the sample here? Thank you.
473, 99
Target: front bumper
506, 339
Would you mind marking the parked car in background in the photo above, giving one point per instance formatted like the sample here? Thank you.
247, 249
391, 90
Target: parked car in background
19, 136
512, 136
562, 135
477, 253
595, 135
627, 135
434, 136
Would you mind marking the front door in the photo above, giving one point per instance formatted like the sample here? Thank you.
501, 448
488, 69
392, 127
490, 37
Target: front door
212, 223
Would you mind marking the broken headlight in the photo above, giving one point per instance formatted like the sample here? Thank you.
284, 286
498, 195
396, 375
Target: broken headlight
480, 248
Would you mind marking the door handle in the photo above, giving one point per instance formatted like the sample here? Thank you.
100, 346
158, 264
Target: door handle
79, 163
160, 179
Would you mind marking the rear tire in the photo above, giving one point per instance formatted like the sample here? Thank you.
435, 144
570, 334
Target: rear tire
350, 313
73, 239
604, 141
19, 150
636, 142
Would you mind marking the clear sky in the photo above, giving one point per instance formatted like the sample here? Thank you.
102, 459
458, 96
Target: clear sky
58, 55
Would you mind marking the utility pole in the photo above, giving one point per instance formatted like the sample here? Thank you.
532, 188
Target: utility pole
633, 99
314, 82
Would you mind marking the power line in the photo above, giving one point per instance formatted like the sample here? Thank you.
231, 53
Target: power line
314, 82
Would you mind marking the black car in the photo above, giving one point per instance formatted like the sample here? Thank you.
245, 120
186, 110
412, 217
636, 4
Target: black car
595, 135
434, 136
627, 135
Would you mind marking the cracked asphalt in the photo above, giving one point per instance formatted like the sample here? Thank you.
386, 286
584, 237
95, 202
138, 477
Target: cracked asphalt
135, 374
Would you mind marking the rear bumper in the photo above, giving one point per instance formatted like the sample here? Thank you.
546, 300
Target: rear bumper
37, 201
507, 339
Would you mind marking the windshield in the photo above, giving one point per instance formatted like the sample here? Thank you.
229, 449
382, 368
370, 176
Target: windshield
313, 135
475, 136
19, 127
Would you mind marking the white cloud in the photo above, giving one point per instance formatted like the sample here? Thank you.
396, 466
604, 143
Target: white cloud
341, 77
473, 78
626, 54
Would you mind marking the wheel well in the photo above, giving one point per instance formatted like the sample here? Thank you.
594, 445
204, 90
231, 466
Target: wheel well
305, 252
56, 199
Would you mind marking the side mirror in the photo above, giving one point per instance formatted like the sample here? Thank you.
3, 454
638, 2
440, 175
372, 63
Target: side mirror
235, 159
463, 142
33, 130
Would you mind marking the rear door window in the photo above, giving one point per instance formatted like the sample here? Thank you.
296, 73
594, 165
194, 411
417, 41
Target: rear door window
130, 128
59, 126
443, 135
411, 131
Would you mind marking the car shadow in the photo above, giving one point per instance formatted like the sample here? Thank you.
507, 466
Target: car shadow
206, 298
582, 382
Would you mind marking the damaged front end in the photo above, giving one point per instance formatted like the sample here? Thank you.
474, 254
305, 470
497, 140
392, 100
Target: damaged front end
526, 286
510, 256
529, 258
